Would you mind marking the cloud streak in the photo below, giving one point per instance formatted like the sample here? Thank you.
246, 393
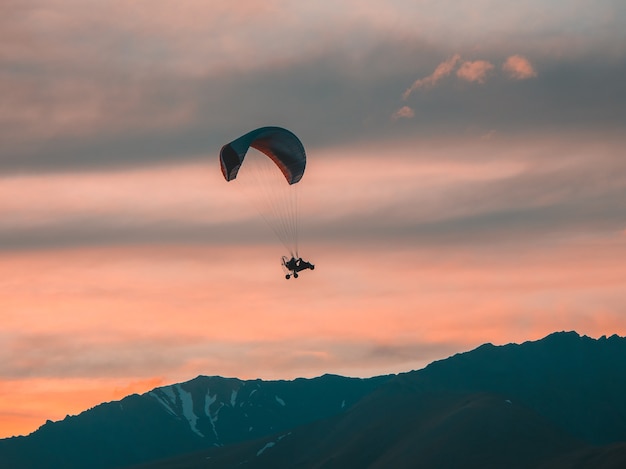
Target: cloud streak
515, 67
88, 120
486, 198
443, 70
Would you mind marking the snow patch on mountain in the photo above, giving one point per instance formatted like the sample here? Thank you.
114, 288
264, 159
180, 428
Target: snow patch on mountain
267, 446
208, 401
233, 397
187, 404
169, 393
271, 444
280, 401
165, 401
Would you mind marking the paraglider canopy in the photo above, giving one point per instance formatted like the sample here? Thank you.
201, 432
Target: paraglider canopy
282, 146
277, 155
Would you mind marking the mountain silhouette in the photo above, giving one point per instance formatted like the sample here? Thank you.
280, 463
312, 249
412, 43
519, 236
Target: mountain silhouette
556, 402
201, 413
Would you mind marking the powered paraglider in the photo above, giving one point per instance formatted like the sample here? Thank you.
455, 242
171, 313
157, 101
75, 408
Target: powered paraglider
279, 151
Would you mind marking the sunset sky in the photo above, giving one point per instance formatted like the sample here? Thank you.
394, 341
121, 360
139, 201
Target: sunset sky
466, 183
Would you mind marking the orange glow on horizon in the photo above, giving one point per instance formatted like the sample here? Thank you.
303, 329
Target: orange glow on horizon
193, 308
35, 400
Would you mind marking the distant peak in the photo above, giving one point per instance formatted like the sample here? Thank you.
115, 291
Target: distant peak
573, 335
564, 334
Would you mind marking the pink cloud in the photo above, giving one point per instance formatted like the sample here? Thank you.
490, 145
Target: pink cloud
518, 68
405, 112
443, 69
475, 71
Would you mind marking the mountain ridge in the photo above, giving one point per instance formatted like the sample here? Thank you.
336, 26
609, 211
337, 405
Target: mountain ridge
555, 399
202, 412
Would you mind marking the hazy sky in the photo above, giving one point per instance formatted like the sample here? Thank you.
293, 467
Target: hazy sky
466, 183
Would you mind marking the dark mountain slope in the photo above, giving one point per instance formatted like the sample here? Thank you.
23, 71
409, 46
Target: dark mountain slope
202, 413
577, 382
538, 404
433, 430
602, 457
402, 429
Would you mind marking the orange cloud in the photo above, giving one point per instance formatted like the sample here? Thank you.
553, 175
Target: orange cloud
518, 68
405, 112
443, 69
475, 71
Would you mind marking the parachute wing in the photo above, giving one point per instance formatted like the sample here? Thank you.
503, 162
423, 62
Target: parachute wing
282, 146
